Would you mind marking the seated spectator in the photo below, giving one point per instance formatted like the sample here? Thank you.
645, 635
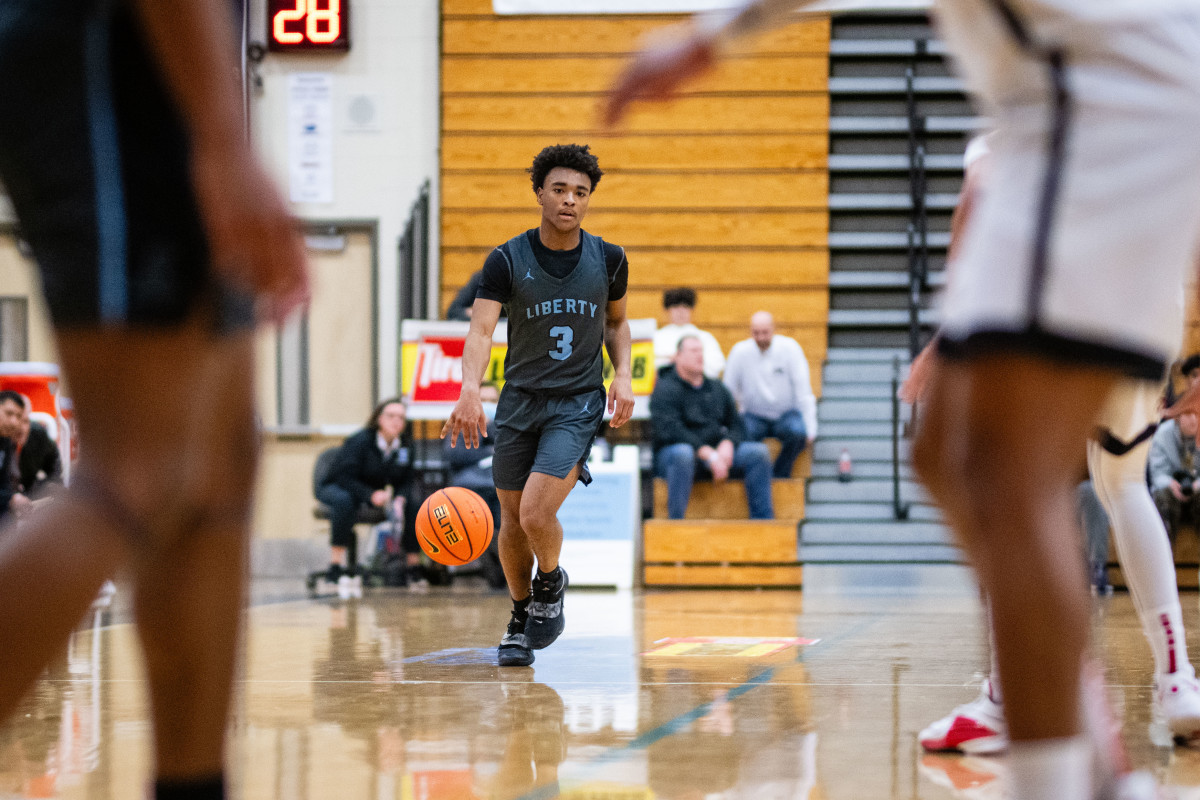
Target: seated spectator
471, 468
697, 428
1190, 370
463, 304
1172, 469
12, 499
38, 460
368, 464
679, 304
1093, 520
768, 376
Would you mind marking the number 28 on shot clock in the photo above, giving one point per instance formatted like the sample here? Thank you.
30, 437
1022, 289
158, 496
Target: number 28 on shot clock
310, 25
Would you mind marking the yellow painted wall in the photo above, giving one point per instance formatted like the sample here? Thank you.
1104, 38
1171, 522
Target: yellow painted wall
18, 278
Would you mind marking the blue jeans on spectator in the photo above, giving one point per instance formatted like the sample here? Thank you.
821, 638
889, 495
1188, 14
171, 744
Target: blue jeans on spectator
343, 513
1095, 528
788, 429
678, 464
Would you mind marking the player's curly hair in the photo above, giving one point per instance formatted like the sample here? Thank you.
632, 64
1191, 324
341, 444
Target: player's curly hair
571, 156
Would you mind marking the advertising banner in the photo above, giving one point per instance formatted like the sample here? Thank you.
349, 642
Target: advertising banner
431, 364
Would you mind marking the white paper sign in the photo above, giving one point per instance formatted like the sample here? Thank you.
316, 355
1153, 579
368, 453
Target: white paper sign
681, 6
310, 137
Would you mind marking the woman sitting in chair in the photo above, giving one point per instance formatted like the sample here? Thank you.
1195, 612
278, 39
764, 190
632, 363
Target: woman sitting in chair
373, 468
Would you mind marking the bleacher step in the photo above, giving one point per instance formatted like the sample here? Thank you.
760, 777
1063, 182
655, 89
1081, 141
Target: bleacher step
862, 490
882, 240
851, 355
857, 429
836, 373
845, 390
830, 448
859, 533
880, 318
862, 469
880, 554
869, 512
849, 410
727, 500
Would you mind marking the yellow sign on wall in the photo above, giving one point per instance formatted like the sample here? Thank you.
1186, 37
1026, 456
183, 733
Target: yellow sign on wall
437, 365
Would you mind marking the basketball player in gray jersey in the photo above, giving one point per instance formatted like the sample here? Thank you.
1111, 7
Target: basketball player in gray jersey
565, 293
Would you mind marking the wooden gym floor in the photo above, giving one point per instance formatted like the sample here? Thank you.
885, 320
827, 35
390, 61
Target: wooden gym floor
396, 696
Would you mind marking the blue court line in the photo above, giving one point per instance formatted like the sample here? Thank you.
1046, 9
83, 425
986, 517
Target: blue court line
668, 728
673, 726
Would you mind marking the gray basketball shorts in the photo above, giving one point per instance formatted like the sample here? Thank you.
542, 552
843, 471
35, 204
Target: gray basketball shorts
543, 433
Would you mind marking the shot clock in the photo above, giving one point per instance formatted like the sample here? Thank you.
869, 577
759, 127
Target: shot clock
309, 25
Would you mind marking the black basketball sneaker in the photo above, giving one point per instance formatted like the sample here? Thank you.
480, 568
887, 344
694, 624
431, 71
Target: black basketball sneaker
546, 620
514, 650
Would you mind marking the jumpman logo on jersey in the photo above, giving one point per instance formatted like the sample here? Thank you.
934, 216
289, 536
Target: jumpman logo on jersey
528, 275
585, 406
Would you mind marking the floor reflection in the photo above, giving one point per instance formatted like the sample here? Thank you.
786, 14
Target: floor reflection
398, 696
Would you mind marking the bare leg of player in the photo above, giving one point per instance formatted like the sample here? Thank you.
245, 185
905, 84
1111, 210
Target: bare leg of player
544, 495
1000, 451
516, 555
166, 475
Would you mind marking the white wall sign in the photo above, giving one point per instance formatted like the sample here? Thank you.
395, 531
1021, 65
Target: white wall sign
310, 137
681, 6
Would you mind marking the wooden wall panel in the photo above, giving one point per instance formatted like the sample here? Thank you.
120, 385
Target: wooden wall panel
725, 189
475, 74
683, 153
660, 269
567, 115
745, 228
758, 189
486, 33
734, 306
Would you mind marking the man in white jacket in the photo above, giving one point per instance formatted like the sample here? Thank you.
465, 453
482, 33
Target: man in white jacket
769, 377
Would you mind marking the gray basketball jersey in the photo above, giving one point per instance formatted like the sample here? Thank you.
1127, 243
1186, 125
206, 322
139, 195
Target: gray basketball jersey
556, 325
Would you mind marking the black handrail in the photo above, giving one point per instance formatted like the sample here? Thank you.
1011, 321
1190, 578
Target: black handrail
918, 225
899, 510
414, 259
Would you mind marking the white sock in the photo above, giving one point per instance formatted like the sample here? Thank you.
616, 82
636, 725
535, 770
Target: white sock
1164, 628
1050, 769
1145, 553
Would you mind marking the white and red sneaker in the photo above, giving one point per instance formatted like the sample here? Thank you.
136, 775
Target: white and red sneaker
1176, 704
976, 728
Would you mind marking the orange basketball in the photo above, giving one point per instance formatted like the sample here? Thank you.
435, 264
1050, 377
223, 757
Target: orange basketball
454, 526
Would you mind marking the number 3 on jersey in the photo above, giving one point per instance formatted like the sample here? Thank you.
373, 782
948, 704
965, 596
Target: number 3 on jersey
562, 336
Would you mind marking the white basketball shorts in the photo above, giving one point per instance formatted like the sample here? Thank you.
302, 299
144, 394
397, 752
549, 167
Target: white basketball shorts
1087, 228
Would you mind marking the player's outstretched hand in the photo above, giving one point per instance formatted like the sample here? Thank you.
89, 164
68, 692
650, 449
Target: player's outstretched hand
668, 60
620, 401
255, 244
468, 419
919, 374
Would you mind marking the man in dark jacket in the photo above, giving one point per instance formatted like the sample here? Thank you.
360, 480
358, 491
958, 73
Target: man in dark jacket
38, 461
697, 428
12, 500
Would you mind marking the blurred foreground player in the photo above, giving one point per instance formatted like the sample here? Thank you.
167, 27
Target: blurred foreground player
1067, 284
1117, 452
124, 151
565, 291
